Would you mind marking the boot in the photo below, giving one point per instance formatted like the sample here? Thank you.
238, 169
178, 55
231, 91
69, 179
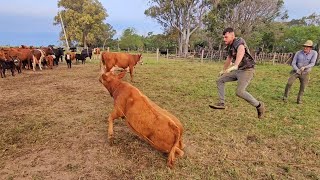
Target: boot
261, 110
217, 106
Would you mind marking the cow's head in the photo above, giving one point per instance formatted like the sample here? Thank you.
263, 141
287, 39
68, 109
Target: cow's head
140, 61
114, 74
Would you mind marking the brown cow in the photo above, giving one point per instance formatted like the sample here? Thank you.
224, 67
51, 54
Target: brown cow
49, 60
121, 60
158, 127
39, 55
96, 53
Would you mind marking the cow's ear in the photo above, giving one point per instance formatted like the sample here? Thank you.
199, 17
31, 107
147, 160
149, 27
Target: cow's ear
121, 75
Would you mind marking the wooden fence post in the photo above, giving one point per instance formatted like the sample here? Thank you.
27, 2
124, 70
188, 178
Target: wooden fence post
157, 54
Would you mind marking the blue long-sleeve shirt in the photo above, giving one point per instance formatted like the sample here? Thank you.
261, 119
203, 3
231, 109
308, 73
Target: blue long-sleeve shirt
302, 59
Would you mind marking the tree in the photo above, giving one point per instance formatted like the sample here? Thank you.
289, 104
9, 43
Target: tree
183, 15
83, 19
130, 39
313, 19
295, 36
245, 16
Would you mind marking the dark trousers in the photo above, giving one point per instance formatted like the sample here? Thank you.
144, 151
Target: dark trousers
304, 80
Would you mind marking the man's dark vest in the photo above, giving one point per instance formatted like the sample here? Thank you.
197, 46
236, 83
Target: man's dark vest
247, 61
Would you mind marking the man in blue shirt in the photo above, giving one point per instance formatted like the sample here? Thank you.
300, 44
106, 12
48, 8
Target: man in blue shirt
302, 63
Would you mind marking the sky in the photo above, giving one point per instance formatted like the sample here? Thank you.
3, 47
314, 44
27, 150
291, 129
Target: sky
30, 22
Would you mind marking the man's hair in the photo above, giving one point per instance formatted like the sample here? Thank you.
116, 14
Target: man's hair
227, 30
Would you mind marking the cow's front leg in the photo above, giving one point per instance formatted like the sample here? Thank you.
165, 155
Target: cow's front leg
114, 115
131, 72
40, 62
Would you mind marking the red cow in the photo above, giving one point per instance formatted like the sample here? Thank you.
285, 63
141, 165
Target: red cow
121, 60
96, 53
50, 60
158, 127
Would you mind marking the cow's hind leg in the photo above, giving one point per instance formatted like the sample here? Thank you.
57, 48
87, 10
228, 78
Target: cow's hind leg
175, 148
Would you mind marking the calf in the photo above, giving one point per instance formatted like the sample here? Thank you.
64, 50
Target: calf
6, 65
50, 60
121, 60
81, 57
158, 127
69, 57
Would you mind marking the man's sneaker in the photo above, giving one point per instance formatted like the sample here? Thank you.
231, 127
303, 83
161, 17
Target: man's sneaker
285, 100
218, 106
261, 110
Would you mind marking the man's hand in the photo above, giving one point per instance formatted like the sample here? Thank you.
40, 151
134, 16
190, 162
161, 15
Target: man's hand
298, 71
302, 69
232, 68
221, 73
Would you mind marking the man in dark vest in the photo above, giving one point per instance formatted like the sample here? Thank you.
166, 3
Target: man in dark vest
239, 66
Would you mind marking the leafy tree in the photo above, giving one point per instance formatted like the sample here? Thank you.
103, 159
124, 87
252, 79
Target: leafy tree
245, 16
185, 16
130, 39
313, 19
83, 20
295, 36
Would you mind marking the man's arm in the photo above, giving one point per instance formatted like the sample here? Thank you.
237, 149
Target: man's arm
239, 57
227, 63
294, 61
313, 60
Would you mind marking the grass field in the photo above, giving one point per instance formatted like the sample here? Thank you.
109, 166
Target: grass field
53, 125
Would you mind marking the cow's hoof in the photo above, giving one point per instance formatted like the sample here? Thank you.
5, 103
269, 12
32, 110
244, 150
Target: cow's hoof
111, 141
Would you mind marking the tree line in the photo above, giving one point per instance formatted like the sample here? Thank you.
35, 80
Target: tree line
192, 24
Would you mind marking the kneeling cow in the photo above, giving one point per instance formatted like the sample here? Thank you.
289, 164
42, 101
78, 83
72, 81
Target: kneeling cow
158, 127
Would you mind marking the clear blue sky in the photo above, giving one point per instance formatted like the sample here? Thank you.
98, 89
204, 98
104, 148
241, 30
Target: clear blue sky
30, 22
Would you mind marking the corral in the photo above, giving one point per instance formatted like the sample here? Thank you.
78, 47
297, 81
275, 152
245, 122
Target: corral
53, 125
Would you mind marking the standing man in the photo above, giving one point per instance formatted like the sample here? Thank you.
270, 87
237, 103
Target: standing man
302, 63
242, 70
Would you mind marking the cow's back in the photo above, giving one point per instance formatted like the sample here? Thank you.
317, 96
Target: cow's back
152, 123
122, 60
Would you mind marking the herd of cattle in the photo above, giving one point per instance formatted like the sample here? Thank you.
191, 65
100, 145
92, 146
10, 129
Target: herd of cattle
24, 57
155, 125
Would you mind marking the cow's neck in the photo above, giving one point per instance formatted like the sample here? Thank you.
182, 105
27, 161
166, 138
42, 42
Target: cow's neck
113, 87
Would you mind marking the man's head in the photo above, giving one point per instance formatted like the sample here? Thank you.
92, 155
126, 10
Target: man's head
228, 36
307, 46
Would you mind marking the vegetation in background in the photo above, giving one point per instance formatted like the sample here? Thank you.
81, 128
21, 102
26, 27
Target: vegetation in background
83, 21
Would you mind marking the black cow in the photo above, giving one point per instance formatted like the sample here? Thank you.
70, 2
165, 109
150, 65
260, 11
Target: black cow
59, 54
9, 64
81, 57
87, 52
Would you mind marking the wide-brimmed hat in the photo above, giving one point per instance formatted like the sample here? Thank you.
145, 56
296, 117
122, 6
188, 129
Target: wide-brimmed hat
308, 43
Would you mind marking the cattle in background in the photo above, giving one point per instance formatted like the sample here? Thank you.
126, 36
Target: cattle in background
121, 60
24, 55
5, 64
81, 57
58, 52
87, 52
69, 57
50, 60
155, 125
96, 53
39, 55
